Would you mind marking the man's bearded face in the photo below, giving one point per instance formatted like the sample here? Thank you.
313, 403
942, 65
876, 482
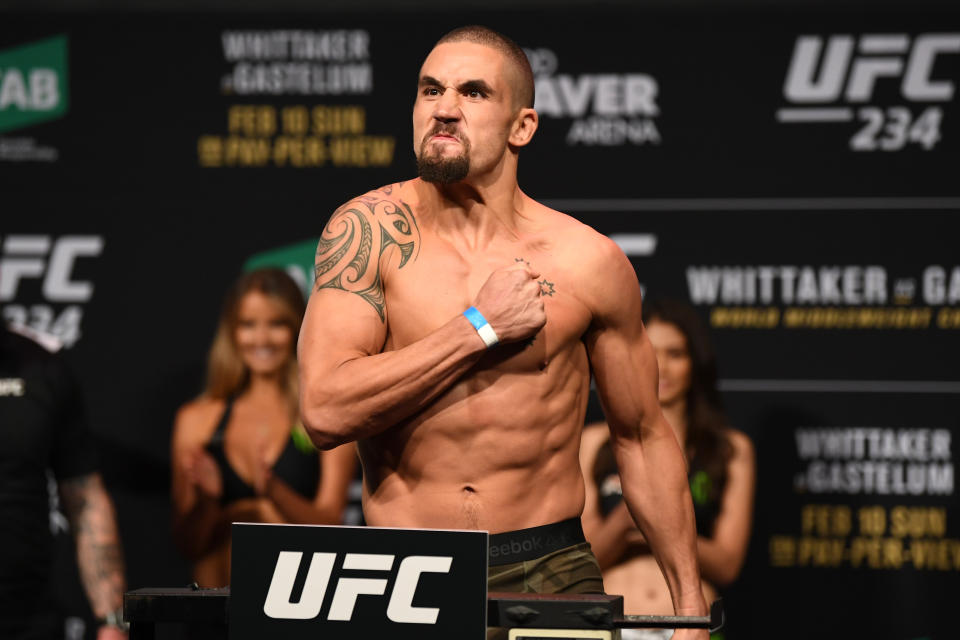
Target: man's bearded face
434, 165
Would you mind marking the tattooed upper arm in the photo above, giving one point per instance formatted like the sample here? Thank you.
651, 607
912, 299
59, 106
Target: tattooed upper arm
75, 493
99, 556
350, 255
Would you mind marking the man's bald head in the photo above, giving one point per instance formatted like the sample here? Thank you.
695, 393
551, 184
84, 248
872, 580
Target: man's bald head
522, 80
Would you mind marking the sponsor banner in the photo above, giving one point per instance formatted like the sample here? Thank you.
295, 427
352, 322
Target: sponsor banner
292, 84
636, 104
777, 287
856, 512
601, 108
294, 581
830, 352
894, 86
34, 88
297, 62
825, 296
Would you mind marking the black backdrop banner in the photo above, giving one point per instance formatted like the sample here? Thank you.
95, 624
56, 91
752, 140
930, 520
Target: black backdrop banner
791, 173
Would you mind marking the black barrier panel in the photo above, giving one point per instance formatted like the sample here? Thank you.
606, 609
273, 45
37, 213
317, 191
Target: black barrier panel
357, 582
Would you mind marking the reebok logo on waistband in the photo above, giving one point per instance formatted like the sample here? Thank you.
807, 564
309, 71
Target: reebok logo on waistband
513, 547
529, 544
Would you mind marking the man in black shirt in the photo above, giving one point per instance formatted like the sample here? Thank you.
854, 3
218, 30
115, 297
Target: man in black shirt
42, 428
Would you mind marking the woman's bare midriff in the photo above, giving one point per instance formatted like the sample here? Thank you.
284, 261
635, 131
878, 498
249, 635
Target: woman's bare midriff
213, 568
644, 590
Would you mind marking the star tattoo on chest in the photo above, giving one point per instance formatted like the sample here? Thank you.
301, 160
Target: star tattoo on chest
547, 288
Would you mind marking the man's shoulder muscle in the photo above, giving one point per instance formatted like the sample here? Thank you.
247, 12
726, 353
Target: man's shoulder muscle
598, 258
364, 236
605, 276
576, 237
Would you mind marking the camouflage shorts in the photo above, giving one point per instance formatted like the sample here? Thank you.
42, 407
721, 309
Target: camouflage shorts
570, 570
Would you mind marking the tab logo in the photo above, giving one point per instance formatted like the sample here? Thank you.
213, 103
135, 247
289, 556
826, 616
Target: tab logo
400, 607
33, 83
827, 77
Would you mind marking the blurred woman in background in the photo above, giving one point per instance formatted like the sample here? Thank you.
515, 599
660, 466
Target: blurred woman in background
239, 452
721, 471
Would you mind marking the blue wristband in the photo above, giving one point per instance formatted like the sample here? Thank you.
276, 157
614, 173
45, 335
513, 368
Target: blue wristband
487, 334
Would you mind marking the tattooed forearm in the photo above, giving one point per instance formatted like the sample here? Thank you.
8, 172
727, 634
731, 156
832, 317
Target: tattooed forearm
99, 556
355, 241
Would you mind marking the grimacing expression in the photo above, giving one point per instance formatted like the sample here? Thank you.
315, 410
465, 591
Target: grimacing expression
463, 112
263, 335
673, 361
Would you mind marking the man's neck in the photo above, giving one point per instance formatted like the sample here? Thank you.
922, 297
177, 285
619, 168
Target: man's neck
472, 209
265, 387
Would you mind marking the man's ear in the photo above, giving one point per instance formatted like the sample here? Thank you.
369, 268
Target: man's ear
524, 126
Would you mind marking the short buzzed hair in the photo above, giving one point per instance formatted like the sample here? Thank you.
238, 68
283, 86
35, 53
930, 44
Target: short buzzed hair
483, 35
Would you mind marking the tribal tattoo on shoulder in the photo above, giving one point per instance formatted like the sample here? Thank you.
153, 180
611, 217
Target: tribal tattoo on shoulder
355, 240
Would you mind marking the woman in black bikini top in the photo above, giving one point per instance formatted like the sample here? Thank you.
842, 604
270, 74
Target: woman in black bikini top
239, 452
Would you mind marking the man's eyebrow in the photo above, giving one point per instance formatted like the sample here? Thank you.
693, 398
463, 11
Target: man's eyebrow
468, 85
476, 85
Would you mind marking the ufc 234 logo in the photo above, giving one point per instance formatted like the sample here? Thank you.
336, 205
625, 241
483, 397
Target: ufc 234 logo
399, 608
829, 76
51, 262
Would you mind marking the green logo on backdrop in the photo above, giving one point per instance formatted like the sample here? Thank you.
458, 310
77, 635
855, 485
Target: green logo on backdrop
296, 259
700, 487
33, 83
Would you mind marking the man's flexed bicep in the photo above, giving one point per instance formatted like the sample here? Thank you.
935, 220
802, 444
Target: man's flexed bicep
358, 243
350, 388
346, 314
622, 360
651, 463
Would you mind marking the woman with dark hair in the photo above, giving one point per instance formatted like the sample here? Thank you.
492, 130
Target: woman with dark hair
239, 451
721, 470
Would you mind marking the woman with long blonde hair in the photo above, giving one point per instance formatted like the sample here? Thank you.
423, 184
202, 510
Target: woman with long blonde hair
239, 452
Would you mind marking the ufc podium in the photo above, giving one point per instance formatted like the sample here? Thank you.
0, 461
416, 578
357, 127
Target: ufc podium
192, 614
293, 581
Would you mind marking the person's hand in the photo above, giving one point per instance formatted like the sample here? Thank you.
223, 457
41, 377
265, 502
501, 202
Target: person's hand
510, 301
202, 472
629, 531
109, 632
262, 474
246, 510
692, 609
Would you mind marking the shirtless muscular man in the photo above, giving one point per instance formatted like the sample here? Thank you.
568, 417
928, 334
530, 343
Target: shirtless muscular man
469, 426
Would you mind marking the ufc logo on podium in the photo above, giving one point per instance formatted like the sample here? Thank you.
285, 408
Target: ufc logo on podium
400, 608
295, 581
